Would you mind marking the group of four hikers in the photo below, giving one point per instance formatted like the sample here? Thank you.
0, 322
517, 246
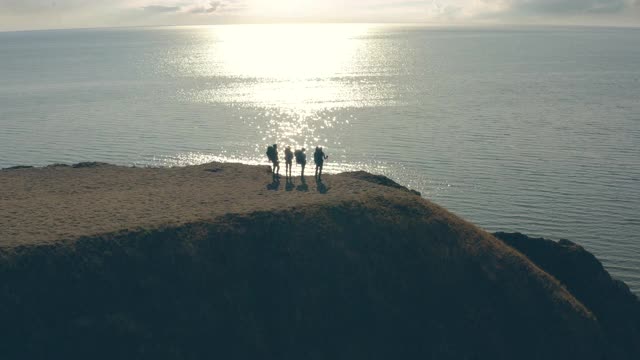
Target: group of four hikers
301, 159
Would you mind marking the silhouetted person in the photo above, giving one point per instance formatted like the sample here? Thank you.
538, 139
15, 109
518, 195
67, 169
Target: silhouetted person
319, 157
272, 154
301, 159
288, 159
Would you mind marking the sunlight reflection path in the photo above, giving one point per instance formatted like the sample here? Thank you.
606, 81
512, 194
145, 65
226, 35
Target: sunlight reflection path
297, 77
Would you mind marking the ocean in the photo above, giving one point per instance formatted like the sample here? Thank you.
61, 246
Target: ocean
524, 129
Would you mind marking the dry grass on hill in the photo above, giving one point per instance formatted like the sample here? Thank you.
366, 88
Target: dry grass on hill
216, 261
39, 205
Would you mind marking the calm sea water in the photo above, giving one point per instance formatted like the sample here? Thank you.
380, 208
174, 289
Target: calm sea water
516, 129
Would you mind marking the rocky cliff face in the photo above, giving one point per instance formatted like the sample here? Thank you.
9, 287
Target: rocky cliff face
381, 276
611, 302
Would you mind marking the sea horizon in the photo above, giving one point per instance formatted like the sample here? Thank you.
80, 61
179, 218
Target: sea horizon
443, 26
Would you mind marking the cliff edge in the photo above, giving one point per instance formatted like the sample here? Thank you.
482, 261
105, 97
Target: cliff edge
218, 260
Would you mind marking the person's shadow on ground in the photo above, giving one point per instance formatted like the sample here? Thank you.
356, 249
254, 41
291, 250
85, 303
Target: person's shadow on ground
303, 186
322, 188
275, 185
289, 186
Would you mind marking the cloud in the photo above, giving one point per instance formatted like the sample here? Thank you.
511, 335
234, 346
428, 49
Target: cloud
38, 6
561, 7
30, 14
161, 8
196, 7
212, 7
221, 7
520, 10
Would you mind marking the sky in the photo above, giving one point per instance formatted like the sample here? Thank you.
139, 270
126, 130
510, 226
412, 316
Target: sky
56, 14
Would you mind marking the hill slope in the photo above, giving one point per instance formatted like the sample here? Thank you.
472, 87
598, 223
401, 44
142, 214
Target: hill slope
360, 270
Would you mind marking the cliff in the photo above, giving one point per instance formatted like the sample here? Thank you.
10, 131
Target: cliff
610, 300
218, 260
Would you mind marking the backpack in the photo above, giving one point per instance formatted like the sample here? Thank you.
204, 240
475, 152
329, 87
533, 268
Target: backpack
301, 158
271, 153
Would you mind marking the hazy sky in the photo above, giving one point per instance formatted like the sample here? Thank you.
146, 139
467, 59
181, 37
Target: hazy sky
46, 14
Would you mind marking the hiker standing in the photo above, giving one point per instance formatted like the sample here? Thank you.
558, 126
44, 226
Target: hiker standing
319, 157
288, 158
301, 159
272, 154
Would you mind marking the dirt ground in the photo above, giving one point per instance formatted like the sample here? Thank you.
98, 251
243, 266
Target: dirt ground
39, 205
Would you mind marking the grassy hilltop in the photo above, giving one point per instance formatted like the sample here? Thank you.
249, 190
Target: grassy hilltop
217, 261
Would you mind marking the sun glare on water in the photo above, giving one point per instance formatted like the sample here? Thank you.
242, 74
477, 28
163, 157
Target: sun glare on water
288, 52
299, 79
294, 68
